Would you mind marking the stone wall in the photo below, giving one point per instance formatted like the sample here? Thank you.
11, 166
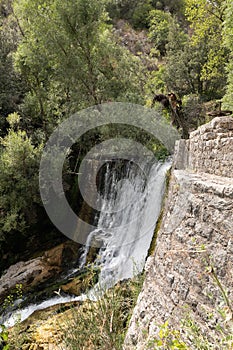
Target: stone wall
195, 242
209, 149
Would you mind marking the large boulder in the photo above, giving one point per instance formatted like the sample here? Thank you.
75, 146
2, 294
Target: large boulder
29, 274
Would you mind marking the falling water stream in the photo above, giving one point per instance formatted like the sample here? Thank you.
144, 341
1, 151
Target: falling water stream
123, 234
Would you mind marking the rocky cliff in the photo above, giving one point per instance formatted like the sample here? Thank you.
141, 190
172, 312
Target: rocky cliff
191, 268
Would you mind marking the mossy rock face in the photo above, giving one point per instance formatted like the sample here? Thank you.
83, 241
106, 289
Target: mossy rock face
161, 215
73, 287
92, 254
82, 283
38, 275
42, 330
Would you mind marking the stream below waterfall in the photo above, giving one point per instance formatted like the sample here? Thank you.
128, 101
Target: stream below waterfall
124, 230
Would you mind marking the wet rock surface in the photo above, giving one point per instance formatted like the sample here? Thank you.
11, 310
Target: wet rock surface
30, 274
43, 329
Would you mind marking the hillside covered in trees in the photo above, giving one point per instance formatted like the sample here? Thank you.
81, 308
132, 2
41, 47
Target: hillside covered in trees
59, 57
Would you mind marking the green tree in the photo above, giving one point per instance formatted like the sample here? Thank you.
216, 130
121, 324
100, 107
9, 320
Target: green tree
136, 12
175, 7
159, 29
19, 193
228, 40
183, 64
140, 16
11, 85
206, 24
70, 59
196, 56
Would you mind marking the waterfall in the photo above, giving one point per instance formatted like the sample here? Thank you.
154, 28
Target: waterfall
127, 221
125, 227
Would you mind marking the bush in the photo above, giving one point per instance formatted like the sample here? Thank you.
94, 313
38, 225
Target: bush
102, 324
19, 161
159, 29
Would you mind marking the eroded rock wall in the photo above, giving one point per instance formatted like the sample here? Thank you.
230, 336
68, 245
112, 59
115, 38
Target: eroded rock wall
195, 242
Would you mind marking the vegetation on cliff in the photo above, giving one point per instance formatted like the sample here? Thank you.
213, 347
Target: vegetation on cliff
58, 57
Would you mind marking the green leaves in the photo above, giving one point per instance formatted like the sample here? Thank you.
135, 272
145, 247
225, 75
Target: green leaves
228, 40
206, 22
159, 29
70, 58
4, 337
11, 86
228, 24
18, 180
168, 339
195, 55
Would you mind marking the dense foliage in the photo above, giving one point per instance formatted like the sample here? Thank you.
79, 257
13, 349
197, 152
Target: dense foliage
228, 40
58, 57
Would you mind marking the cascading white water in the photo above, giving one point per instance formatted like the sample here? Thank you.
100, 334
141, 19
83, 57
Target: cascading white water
127, 221
125, 228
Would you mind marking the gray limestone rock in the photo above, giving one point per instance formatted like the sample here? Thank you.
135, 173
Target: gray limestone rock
196, 235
